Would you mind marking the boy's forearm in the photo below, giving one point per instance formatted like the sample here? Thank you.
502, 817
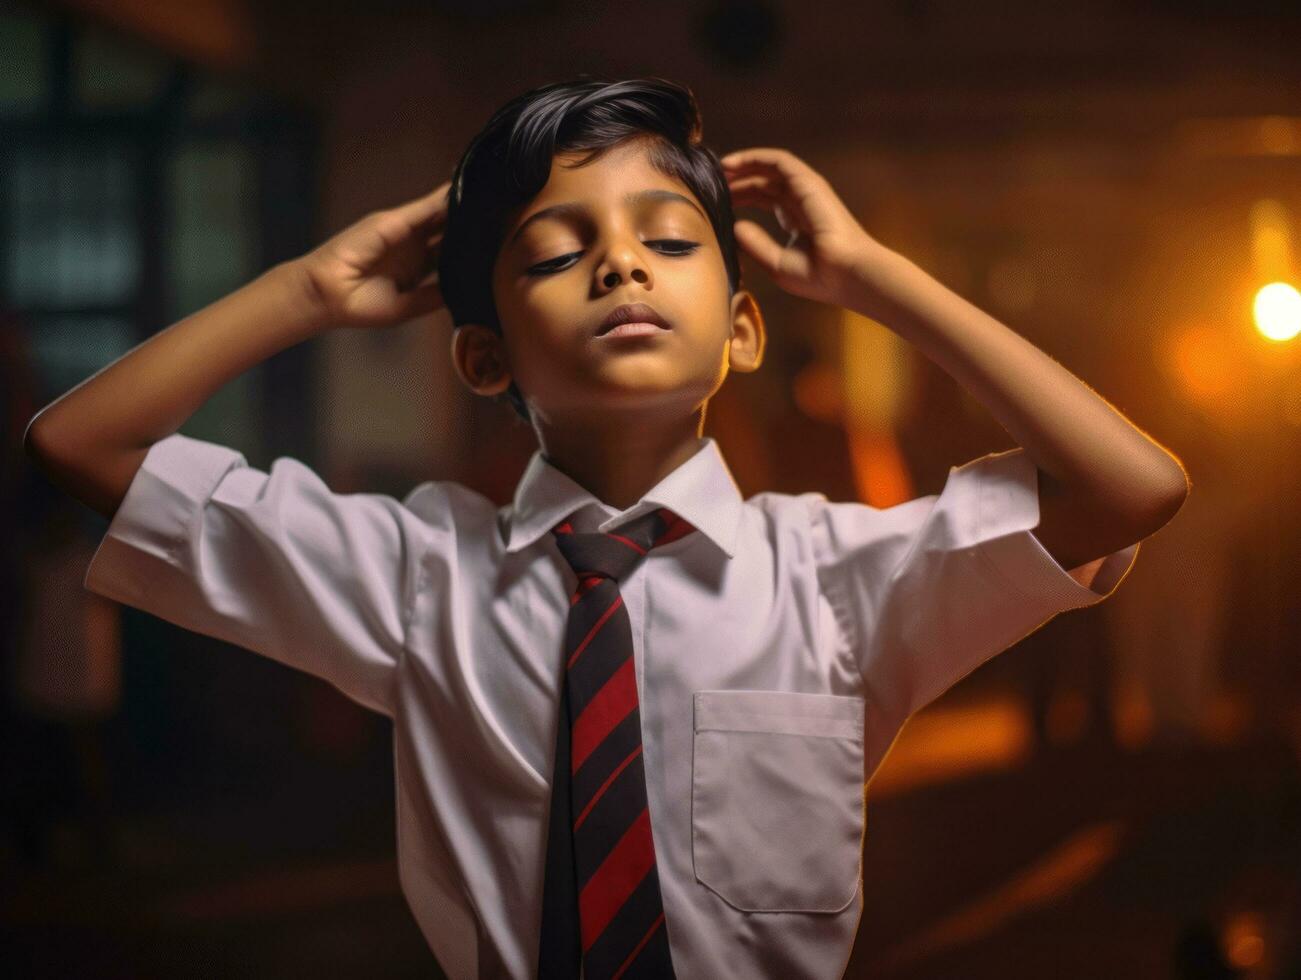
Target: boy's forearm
91, 440
1075, 438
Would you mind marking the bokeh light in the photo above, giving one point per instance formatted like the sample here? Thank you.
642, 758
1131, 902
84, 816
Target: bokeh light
1277, 311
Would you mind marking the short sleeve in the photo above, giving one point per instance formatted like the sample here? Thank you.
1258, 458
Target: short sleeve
274, 562
930, 589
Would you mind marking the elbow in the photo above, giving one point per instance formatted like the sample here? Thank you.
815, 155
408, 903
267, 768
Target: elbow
35, 445
42, 447
1166, 503
1178, 488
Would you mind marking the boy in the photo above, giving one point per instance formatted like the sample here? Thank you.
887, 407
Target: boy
633, 713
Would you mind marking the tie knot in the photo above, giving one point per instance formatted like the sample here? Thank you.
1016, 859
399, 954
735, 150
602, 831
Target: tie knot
614, 554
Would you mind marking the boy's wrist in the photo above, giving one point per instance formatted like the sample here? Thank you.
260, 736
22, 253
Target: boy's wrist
879, 282
304, 304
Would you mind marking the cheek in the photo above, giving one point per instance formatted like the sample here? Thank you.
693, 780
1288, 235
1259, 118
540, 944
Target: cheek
537, 346
533, 302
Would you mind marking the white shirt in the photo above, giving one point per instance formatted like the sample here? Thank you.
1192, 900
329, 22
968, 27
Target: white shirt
778, 653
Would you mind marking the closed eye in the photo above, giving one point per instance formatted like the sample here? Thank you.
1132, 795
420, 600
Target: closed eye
684, 248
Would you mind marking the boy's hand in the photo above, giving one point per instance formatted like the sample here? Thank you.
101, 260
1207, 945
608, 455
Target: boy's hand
827, 246
381, 270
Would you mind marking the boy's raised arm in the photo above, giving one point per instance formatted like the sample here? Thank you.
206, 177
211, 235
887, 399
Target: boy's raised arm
1102, 482
91, 441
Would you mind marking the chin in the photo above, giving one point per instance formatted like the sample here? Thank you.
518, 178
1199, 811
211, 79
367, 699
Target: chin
611, 398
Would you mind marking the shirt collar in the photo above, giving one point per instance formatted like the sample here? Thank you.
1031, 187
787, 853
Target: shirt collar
701, 490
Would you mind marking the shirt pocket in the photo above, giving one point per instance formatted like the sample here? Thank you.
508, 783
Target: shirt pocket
777, 807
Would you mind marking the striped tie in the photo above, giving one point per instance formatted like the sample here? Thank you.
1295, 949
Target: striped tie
602, 901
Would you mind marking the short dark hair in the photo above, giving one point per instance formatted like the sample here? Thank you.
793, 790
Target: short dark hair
509, 161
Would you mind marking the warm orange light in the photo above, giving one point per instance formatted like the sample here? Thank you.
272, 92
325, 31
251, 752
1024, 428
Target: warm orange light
946, 742
876, 373
1135, 717
1271, 240
817, 393
880, 471
1277, 311
1206, 364
1243, 941
1277, 306
1056, 876
1068, 717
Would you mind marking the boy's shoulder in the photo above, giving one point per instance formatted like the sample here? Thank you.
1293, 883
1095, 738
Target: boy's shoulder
803, 505
777, 500
808, 517
774, 504
437, 502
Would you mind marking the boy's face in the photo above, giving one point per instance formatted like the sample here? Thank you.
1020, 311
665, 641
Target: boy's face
558, 276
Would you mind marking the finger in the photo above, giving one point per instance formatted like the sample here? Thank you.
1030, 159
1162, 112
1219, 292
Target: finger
766, 158
776, 184
430, 208
786, 170
433, 249
747, 152
436, 222
769, 180
416, 270
785, 208
425, 298
756, 201
754, 196
760, 189
769, 205
754, 181
759, 244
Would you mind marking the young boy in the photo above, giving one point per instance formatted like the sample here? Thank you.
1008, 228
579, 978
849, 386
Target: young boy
633, 713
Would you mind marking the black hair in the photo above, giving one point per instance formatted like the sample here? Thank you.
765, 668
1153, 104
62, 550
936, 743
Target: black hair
508, 163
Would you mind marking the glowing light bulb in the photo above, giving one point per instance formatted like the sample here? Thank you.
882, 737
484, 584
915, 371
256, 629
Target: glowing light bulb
1277, 310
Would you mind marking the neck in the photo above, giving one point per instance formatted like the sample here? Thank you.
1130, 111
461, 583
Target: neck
618, 459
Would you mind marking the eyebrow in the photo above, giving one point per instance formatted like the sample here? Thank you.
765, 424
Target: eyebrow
573, 209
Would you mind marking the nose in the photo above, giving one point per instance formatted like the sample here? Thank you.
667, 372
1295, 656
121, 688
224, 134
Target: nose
624, 263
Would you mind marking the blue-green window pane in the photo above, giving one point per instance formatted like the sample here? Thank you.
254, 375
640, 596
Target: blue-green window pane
69, 349
25, 64
72, 232
233, 415
110, 72
213, 96
213, 192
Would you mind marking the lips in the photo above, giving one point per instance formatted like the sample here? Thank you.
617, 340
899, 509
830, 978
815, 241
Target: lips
632, 313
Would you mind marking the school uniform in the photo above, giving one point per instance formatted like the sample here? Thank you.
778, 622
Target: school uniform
779, 648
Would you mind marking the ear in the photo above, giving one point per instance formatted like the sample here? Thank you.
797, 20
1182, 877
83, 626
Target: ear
480, 359
749, 337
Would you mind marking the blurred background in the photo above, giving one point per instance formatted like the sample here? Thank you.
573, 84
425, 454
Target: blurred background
1118, 795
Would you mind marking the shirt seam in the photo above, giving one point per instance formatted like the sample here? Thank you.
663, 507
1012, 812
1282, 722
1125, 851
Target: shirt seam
196, 514
415, 584
982, 501
830, 579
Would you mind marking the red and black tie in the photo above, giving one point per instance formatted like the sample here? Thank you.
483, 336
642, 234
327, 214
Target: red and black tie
602, 904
